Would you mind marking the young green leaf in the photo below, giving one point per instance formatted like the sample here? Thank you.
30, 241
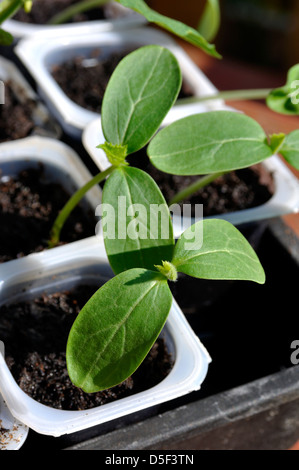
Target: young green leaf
209, 23
9, 7
285, 100
290, 148
215, 249
136, 221
209, 143
116, 329
176, 27
6, 38
141, 90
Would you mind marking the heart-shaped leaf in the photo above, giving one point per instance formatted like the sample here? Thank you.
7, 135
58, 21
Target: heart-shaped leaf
136, 221
209, 143
116, 329
285, 100
142, 89
290, 148
215, 249
176, 27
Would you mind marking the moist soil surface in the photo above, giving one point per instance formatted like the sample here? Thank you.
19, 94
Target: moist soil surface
16, 121
84, 79
29, 205
35, 336
43, 10
236, 190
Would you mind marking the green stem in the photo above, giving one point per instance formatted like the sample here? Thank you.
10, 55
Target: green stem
227, 95
8, 8
200, 183
72, 203
73, 10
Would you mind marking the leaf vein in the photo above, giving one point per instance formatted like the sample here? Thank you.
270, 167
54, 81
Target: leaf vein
118, 327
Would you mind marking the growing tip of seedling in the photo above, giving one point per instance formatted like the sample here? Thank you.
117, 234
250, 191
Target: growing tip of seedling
168, 270
115, 153
276, 141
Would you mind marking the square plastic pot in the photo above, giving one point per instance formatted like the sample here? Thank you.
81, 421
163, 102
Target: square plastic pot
250, 398
44, 124
40, 55
13, 434
86, 261
60, 164
120, 17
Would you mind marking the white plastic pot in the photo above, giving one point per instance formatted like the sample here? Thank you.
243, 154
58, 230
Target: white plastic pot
60, 163
61, 159
121, 17
40, 55
86, 261
43, 122
285, 199
12, 433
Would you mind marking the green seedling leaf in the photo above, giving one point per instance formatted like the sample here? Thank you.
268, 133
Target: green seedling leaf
209, 143
6, 39
215, 249
168, 270
136, 221
285, 100
116, 329
290, 149
176, 27
141, 90
8, 8
209, 23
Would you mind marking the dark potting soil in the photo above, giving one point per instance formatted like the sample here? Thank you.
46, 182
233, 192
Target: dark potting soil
29, 205
236, 190
16, 121
35, 336
84, 79
43, 10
